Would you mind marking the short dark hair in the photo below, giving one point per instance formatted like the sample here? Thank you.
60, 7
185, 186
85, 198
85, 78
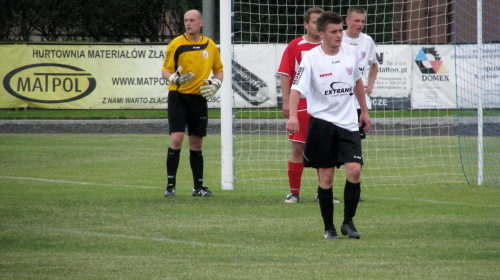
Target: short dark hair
328, 18
310, 11
357, 10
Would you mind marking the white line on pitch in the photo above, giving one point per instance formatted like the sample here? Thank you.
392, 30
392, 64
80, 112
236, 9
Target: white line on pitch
158, 239
74, 182
147, 238
435, 201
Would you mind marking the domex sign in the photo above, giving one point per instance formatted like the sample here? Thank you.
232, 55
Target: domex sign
431, 66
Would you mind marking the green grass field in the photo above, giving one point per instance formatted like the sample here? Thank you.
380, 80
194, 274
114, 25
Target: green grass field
92, 207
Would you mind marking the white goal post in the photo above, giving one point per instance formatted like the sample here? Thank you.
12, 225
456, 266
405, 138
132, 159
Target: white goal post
226, 92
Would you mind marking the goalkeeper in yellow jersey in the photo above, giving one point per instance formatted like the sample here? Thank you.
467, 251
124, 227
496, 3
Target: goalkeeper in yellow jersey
189, 60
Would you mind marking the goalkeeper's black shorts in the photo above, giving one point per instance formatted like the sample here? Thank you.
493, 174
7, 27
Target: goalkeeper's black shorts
187, 110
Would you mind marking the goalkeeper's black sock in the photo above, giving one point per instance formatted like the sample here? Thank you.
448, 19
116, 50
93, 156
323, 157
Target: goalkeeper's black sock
172, 165
196, 161
352, 192
325, 197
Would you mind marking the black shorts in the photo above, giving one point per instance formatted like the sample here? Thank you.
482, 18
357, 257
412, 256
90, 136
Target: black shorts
187, 110
328, 145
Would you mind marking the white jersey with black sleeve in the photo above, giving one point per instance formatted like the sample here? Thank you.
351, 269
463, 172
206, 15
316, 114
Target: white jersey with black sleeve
328, 84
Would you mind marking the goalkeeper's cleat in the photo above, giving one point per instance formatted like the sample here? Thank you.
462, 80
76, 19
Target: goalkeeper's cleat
292, 198
316, 199
331, 234
350, 230
170, 192
203, 191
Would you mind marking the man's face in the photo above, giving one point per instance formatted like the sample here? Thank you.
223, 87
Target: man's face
311, 27
332, 36
356, 22
193, 23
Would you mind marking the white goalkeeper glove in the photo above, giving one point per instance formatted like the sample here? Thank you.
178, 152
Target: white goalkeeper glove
211, 88
178, 79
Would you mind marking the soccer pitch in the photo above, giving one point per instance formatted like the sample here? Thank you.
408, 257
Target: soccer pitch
91, 206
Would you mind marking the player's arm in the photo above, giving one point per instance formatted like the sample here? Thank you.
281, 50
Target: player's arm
359, 90
219, 76
166, 74
285, 90
372, 75
292, 125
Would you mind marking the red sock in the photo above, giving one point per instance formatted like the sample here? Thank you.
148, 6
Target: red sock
295, 175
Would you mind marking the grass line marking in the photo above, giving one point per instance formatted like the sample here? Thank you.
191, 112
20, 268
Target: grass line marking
124, 236
434, 201
74, 182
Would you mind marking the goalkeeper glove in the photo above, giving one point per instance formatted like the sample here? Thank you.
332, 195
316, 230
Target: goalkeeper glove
178, 79
211, 88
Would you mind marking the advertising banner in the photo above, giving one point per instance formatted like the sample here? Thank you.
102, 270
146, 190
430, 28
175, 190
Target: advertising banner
433, 77
129, 76
254, 79
478, 75
392, 87
82, 76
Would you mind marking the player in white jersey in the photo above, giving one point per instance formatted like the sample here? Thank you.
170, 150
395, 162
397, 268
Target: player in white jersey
329, 77
365, 47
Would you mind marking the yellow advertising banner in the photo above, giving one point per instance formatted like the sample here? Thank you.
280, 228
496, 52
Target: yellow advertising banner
82, 76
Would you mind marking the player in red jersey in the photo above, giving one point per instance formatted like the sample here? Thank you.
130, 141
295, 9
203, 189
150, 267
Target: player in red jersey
288, 68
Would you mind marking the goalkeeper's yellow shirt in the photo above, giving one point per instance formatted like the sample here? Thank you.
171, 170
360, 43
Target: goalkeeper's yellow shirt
200, 58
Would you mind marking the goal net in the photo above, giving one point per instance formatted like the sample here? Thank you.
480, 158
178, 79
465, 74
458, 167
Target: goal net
414, 136
478, 91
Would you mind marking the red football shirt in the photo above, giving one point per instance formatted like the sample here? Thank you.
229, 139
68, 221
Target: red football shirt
291, 60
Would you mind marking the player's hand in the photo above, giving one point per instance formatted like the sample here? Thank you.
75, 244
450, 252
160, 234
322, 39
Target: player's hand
285, 109
292, 125
368, 90
365, 118
178, 79
211, 88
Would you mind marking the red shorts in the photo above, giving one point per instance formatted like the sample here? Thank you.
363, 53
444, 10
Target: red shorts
303, 118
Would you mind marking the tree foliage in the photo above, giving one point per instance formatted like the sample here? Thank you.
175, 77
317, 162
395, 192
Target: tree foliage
93, 20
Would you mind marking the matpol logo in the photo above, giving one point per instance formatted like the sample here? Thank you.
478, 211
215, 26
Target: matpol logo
49, 83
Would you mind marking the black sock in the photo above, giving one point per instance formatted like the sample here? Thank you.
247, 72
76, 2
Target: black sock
172, 165
352, 192
325, 197
196, 161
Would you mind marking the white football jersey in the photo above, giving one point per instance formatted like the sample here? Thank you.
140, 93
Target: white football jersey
365, 47
328, 85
